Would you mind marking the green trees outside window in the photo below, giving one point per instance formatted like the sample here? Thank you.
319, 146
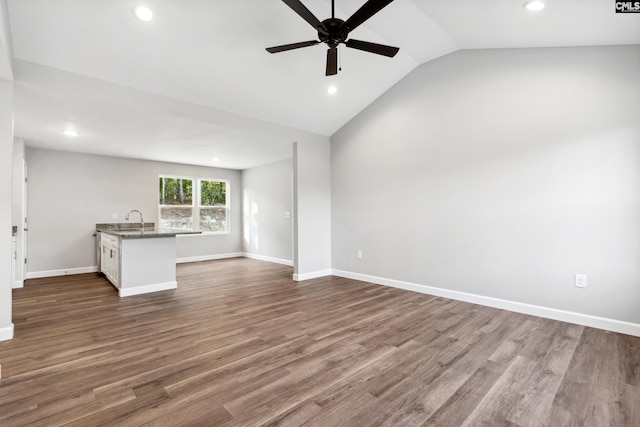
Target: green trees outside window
176, 191
213, 193
176, 197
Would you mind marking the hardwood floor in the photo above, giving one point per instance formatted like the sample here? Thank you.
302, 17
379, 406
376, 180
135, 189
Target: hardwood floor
241, 344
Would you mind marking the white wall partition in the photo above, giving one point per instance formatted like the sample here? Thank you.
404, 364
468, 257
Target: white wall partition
267, 209
500, 174
6, 177
312, 209
6, 43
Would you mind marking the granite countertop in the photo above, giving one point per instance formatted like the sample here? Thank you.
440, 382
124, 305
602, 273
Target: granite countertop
128, 230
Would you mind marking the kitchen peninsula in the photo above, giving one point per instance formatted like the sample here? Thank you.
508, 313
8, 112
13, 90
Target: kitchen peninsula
138, 258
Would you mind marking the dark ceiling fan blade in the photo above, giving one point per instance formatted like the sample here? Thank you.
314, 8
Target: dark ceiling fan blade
304, 13
367, 10
380, 49
291, 46
332, 61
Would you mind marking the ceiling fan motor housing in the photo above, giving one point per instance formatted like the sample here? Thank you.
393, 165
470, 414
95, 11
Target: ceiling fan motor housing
336, 32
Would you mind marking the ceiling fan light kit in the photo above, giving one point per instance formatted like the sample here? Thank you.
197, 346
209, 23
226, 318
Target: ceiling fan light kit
334, 31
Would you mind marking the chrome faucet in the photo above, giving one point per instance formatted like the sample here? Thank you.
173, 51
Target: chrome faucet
141, 220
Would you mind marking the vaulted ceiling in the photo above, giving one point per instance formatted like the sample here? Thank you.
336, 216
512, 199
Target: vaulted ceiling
196, 83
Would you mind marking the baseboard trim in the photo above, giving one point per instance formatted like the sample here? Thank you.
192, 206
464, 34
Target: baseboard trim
518, 307
312, 275
6, 333
61, 272
18, 284
209, 257
94, 269
145, 289
269, 259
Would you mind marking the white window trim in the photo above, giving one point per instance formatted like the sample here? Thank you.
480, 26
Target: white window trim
227, 205
195, 202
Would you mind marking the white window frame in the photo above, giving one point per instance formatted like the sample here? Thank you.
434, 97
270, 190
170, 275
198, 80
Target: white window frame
196, 202
198, 206
192, 207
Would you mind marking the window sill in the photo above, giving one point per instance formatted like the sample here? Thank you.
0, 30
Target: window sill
205, 233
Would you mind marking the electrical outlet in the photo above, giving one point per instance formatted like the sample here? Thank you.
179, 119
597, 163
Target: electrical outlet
114, 215
359, 254
580, 280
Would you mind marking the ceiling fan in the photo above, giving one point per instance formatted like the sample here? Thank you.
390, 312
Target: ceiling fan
334, 31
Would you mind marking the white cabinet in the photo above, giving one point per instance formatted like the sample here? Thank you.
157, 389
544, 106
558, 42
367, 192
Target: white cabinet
137, 264
110, 258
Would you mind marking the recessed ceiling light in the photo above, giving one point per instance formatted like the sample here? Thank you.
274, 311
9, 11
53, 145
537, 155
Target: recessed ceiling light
143, 13
534, 6
331, 90
70, 132
216, 159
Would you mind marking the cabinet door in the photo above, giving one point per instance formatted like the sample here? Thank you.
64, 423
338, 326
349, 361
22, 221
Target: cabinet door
108, 262
110, 258
115, 267
104, 253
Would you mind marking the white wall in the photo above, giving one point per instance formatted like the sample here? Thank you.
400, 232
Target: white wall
499, 174
267, 193
312, 209
6, 177
69, 193
6, 174
6, 43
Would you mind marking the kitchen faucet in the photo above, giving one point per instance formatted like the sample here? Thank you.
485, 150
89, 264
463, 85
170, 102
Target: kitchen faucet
141, 220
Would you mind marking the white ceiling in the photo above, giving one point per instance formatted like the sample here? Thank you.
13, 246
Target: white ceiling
196, 82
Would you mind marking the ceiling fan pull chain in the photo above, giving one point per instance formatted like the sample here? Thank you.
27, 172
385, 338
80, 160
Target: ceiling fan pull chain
339, 59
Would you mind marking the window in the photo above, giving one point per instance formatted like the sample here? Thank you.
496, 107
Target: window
176, 203
212, 206
194, 204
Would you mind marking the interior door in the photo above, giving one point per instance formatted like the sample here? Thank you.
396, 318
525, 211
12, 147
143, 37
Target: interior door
14, 254
25, 228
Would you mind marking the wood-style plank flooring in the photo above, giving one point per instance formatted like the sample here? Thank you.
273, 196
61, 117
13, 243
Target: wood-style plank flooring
241, 344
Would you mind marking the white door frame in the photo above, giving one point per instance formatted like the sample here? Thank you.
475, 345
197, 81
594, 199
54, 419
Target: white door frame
25, 228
